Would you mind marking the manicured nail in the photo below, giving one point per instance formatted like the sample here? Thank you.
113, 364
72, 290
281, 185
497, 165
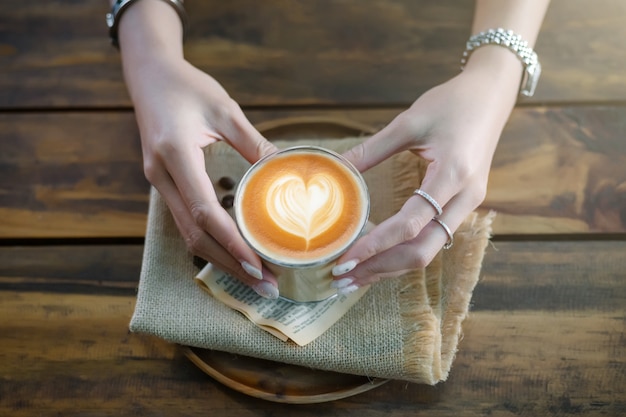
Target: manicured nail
266, 290
348, 290
345, 267
342, 283
252, 270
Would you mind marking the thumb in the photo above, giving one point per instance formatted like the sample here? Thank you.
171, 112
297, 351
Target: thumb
377, 148
247, 140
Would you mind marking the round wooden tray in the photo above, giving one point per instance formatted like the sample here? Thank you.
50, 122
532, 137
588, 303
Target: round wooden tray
312, 127
278, 382
274, 381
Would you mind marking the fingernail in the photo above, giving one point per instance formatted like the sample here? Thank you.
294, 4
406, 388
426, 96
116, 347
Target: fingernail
348, 290
345, 267
342, 283
266, 290
252, 270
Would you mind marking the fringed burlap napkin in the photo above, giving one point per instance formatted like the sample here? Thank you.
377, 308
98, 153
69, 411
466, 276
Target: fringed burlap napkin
406, 328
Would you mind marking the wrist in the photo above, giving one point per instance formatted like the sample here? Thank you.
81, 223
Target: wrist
494, 75
514, 43
498, 65
150, 30
150, 40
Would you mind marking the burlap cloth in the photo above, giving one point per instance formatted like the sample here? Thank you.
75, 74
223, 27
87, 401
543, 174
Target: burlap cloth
406, 328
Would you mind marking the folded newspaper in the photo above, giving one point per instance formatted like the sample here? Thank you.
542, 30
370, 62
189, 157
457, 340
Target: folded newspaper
300, 322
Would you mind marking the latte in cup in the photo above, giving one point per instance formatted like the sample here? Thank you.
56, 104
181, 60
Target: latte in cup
300, 209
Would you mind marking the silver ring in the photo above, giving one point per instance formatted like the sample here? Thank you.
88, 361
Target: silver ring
431, 200
450, 241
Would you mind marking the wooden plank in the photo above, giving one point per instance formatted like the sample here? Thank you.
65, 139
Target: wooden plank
557, 170
519, 275
79, 268
56, 53
552, 276
560, 170
71, 354
109, 380
71, 175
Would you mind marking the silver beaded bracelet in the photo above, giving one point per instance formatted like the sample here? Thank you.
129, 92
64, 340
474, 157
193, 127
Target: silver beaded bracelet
515, 43
120, 6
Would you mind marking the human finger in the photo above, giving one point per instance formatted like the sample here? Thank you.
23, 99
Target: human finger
402, 227
380, 146
414, 254
184, 176
382, 238
205, 246
245, 138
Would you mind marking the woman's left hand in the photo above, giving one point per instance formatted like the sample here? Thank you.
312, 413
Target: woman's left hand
455, 126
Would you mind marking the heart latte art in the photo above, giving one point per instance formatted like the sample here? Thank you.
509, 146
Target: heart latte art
305, 209
301, 205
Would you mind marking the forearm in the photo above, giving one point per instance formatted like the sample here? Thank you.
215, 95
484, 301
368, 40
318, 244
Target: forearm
523, 17
499, 66
149, 31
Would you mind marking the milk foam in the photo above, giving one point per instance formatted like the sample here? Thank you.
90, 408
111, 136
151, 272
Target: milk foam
304, 209
301, 206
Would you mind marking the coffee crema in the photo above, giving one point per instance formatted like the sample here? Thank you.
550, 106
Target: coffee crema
301, 205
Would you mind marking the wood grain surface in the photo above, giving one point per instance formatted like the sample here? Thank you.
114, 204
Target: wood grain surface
303, 53
545, 336
557, 170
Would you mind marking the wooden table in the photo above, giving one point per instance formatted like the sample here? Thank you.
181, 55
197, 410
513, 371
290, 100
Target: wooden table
547, 330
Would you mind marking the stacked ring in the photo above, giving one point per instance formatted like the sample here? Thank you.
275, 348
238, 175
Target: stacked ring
445, 227
439, 211
430, 200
